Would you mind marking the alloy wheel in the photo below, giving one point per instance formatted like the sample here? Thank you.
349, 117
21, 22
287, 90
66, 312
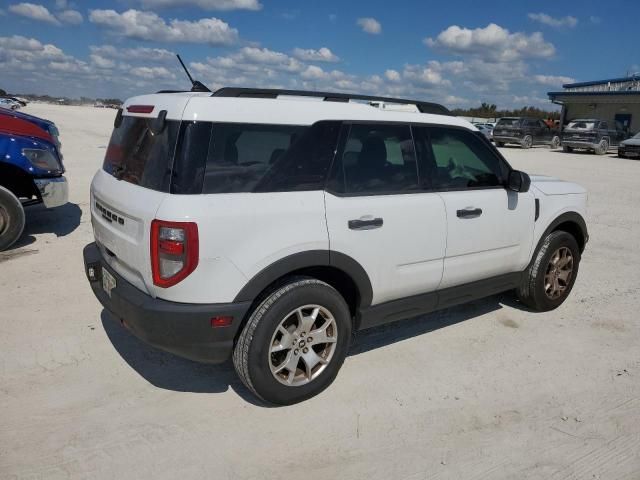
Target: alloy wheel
303, 345
559, 273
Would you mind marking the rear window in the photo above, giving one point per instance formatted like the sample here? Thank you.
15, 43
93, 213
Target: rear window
509, 122
581, 125
138, 155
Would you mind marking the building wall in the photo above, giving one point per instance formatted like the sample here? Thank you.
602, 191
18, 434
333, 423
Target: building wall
604, 108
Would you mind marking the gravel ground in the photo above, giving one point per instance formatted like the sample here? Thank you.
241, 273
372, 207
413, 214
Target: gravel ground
486, 390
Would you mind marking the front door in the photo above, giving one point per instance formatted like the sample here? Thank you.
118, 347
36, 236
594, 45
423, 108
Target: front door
378, 215
489, 229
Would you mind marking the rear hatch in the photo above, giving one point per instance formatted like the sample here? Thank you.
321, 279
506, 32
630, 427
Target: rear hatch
134, 180
508, 127
580, 130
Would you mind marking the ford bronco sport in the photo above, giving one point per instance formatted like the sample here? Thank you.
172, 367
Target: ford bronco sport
269, 225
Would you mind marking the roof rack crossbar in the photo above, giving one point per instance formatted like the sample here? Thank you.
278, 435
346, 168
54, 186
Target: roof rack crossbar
423, 107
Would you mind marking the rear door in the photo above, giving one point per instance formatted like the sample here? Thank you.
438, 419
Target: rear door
378, 214
135, 178
489, 229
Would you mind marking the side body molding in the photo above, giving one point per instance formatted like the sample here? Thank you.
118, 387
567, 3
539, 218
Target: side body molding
305, 260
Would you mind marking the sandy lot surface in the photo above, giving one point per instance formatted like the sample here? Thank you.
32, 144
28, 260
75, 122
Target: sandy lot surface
485, 390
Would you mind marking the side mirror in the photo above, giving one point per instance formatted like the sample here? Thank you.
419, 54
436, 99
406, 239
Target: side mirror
518, 181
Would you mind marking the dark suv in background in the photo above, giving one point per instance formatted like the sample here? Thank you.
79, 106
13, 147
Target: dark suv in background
591, 134
526, 132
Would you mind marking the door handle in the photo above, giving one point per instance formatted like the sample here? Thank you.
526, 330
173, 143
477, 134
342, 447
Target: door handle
365, 223
469, 213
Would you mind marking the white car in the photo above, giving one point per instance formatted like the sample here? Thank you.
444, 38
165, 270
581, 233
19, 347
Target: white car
268, 225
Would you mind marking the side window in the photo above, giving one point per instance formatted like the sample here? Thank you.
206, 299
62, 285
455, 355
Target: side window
461, 160
604, 126
376, 159
241, 155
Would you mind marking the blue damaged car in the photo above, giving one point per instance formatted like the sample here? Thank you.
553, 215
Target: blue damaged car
31, 171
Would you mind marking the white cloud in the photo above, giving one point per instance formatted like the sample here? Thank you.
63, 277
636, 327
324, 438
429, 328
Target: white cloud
369, 25
550, 21
34, 12
101, 62
392, 75
150, 26
205, 4
61, 4
310, 55
553, 80
137, 53
151, 72
492, 43
72, 17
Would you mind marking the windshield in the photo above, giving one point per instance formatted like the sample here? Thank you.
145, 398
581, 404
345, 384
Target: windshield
137, 155
581, 124
636, 136
509, 122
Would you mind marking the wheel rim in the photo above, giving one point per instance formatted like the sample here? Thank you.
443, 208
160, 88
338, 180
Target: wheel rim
555, 143
559, 273
303, 345
528, 141
4, 220
604, 146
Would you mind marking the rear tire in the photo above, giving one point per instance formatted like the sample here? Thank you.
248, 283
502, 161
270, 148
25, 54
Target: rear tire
281, 354
12, 218
555, 142
567, 149
527, 142
552, 274
603, 147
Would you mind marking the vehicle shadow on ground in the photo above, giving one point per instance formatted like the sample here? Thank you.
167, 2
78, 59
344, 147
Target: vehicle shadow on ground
60, 220
170, 372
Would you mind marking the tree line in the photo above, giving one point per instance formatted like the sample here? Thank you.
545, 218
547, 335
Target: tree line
486, 110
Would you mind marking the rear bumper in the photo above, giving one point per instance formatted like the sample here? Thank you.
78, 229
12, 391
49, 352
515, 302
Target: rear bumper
53, 191
180, 328
579, 144
503, 139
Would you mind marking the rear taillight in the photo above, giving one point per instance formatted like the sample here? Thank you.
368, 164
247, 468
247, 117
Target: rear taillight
174, 251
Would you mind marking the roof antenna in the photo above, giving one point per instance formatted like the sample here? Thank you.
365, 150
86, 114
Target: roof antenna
196, 86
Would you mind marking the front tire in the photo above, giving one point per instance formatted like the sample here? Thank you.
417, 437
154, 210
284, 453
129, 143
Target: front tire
294, 342
527, 142
12, 218
500, 144
550, 278
555, 143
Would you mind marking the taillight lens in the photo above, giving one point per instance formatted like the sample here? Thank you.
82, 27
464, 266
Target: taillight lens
174, 251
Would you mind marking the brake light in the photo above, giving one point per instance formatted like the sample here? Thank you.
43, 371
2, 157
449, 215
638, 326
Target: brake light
140, 108
174, 251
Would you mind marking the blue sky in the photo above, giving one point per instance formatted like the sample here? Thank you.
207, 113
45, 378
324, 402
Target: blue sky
459, 53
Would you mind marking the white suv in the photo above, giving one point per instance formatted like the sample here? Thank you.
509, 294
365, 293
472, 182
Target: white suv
269, 225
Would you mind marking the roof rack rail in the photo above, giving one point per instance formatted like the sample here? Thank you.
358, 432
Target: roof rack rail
423, 107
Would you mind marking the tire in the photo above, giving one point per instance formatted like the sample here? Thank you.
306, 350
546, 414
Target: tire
500, 144
527, 142
12, 218
555, 142
567, 149
602, 148
261, 368
535, 292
